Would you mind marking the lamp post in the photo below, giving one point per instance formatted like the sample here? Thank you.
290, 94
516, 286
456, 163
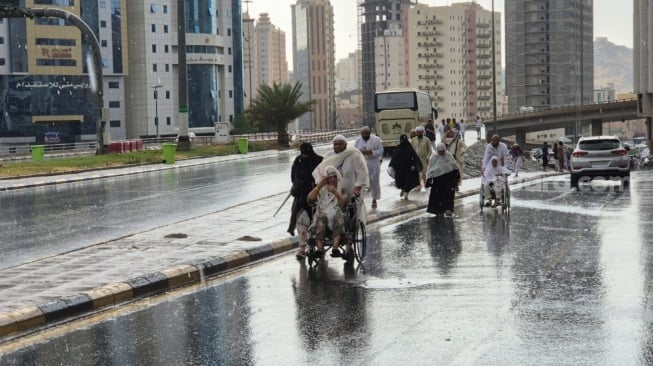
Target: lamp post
156, 109
248, 39
494, 78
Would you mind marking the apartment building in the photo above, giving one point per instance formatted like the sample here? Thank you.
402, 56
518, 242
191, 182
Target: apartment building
549, 53
449, 54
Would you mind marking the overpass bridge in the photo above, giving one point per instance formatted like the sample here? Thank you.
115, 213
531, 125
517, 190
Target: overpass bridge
518, 124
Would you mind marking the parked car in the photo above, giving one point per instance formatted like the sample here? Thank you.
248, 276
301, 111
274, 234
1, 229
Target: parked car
599, 156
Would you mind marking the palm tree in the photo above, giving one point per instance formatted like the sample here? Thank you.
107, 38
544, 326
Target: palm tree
274, 107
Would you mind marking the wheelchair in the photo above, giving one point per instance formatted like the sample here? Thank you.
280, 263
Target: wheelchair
505, 196
353, 244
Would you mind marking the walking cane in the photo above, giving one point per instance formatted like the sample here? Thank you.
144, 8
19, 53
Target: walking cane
283, 203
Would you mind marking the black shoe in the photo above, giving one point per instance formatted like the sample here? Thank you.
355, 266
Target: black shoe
335, 253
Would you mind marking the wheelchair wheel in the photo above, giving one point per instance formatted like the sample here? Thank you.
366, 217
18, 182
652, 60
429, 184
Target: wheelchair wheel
360, 242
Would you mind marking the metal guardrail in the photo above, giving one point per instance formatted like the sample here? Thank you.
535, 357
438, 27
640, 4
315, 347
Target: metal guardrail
23, 151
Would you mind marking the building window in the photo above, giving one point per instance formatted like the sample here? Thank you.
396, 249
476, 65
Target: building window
167, 67
2, 61
153, 48
154, 68
153, 28
104, 43
168, 121
229, 69
152, 8
231, 94
114, 104
165, 9
114, 85
165, 28
166, 49
167, 94
103, 23
114, 123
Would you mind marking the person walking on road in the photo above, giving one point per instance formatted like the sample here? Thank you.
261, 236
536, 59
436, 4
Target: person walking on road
517, 157
479, 124
430, 133
372, 148
352, 166
560, 154
442, 176
406, 165
545, 155
441, 129
457, 147
422, 147
494, 148
462, 128
301, 176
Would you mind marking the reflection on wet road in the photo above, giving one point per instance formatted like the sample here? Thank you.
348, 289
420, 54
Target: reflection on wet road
49, 220
563, 279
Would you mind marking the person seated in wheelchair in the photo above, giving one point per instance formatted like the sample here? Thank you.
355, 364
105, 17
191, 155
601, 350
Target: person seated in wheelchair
331, 211
494, 178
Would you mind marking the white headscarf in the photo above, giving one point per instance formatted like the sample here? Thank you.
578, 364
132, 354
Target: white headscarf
441, 164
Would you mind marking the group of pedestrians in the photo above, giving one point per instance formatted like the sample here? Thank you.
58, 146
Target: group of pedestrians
328, 183
322, 186
419, 163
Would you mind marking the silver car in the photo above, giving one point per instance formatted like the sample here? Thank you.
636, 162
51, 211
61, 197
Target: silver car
599, 156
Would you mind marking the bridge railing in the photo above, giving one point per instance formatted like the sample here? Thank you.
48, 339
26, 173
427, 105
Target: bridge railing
567, 106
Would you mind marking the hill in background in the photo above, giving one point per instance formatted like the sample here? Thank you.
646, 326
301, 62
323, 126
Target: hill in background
613, 64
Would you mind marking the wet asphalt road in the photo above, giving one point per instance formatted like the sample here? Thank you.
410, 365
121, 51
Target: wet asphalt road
563, 279
42, 221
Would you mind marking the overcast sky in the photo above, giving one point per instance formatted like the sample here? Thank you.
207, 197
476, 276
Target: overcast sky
612, 19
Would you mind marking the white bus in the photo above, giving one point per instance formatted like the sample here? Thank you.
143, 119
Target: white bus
398, 111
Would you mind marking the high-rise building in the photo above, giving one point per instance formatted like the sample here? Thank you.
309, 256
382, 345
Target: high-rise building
549, 53
271, 63
314, 61
213, 51
449, 55
375, 17
347, 73
45, 89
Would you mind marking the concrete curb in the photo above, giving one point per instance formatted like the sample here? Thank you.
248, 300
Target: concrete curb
15, 322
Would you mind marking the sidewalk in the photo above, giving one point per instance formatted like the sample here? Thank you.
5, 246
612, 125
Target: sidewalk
71, 284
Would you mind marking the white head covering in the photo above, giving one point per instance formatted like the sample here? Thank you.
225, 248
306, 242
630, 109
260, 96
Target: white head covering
339, 138
419, 128
366, 129
441, 147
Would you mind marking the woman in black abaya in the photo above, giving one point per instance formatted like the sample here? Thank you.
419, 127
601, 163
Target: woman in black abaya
406, 165
442, 176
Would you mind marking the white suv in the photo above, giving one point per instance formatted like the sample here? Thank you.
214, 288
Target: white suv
600, 156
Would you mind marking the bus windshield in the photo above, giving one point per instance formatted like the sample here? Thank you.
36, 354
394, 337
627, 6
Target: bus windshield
401, 100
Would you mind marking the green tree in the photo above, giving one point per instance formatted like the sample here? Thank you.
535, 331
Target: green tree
276, 106
243, 125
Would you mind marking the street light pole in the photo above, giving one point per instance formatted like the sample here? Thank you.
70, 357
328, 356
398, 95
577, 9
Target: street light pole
494, 78
248, 39
156, 109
